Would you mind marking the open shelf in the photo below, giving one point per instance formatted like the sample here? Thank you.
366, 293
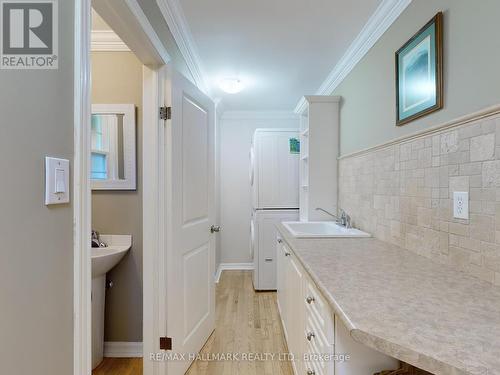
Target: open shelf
319, 132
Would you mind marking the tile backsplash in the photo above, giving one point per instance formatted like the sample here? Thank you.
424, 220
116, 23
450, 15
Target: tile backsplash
402, 194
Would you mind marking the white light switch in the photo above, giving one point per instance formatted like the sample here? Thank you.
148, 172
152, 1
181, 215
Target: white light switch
461, 204
60, 181
56, 181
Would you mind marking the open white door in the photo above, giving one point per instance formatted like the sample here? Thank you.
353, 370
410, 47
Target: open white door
190, 197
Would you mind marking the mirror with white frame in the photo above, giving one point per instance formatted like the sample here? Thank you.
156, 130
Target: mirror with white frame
113, 147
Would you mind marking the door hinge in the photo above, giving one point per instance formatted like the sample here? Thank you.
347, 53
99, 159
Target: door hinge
165, 343
165, 113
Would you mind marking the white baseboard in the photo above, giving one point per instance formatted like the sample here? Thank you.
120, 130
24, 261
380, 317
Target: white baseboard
232, 266
114, 349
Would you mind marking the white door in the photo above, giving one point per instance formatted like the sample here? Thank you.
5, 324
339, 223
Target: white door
190, 215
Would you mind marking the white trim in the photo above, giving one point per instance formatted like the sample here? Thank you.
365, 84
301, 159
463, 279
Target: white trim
123, 15
463, 120
322, 98
153, 170
148, 29
232, 267
383, 17
82, 352
114, 349
107, 41
217, 274
259, 115
127, 19
178, 26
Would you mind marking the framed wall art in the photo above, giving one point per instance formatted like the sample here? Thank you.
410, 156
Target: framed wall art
419, 73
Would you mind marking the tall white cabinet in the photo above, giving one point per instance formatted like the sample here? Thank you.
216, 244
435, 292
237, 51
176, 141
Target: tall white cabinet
319, 136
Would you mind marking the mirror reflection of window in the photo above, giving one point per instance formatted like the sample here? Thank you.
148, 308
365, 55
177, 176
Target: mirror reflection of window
107, 158
113, 147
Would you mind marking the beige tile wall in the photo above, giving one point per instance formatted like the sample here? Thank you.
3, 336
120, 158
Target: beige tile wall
403, 195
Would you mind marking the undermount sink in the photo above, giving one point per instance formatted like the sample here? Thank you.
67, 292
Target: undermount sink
105, 258
321, 229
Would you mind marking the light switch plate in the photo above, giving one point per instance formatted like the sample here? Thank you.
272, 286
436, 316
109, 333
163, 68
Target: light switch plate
461, 204
56, 181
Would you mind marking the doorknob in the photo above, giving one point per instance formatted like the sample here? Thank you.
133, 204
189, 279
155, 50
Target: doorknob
215, 228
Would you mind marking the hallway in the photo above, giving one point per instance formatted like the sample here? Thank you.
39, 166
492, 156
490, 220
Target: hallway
247, 322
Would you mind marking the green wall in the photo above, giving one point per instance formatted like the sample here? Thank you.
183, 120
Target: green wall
471, 72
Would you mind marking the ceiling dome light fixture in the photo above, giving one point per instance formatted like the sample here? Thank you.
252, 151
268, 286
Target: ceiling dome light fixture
231, 85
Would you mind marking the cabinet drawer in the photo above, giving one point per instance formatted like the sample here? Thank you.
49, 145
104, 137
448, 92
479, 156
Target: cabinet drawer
319, 348
319, 324
318, 309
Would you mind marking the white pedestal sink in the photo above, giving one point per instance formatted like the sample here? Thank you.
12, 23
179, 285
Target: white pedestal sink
103, 260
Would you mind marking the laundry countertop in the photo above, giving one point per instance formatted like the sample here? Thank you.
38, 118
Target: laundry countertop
406, 306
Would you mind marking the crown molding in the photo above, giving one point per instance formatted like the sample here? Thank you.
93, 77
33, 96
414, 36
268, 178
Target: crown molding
176, 21
107, 41
383, 17
259, 115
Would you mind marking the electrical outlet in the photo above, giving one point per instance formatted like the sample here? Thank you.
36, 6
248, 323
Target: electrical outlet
461, 204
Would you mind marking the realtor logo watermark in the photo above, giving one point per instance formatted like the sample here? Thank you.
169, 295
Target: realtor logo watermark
29, 34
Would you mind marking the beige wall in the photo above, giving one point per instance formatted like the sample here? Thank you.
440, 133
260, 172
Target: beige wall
36, 254
471, 79
117, 78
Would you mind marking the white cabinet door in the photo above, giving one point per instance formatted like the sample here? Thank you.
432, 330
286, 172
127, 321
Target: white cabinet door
290, 294
294, 281
280, 259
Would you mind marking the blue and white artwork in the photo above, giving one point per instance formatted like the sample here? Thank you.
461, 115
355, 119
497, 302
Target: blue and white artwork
417, 75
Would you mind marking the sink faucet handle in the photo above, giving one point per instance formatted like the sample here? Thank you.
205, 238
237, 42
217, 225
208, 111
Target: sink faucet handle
348, 224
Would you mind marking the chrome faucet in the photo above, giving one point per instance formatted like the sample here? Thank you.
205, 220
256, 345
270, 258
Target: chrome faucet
344, 219
96, 240
328, 213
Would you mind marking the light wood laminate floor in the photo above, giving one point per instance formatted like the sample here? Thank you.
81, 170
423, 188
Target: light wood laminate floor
247, 322
119, 366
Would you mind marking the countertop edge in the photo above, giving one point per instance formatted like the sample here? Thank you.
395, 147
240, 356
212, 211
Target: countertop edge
394, 350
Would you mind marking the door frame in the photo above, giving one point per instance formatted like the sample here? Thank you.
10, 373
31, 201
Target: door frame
129, 21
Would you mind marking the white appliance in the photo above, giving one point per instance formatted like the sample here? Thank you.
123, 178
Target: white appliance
274, 178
